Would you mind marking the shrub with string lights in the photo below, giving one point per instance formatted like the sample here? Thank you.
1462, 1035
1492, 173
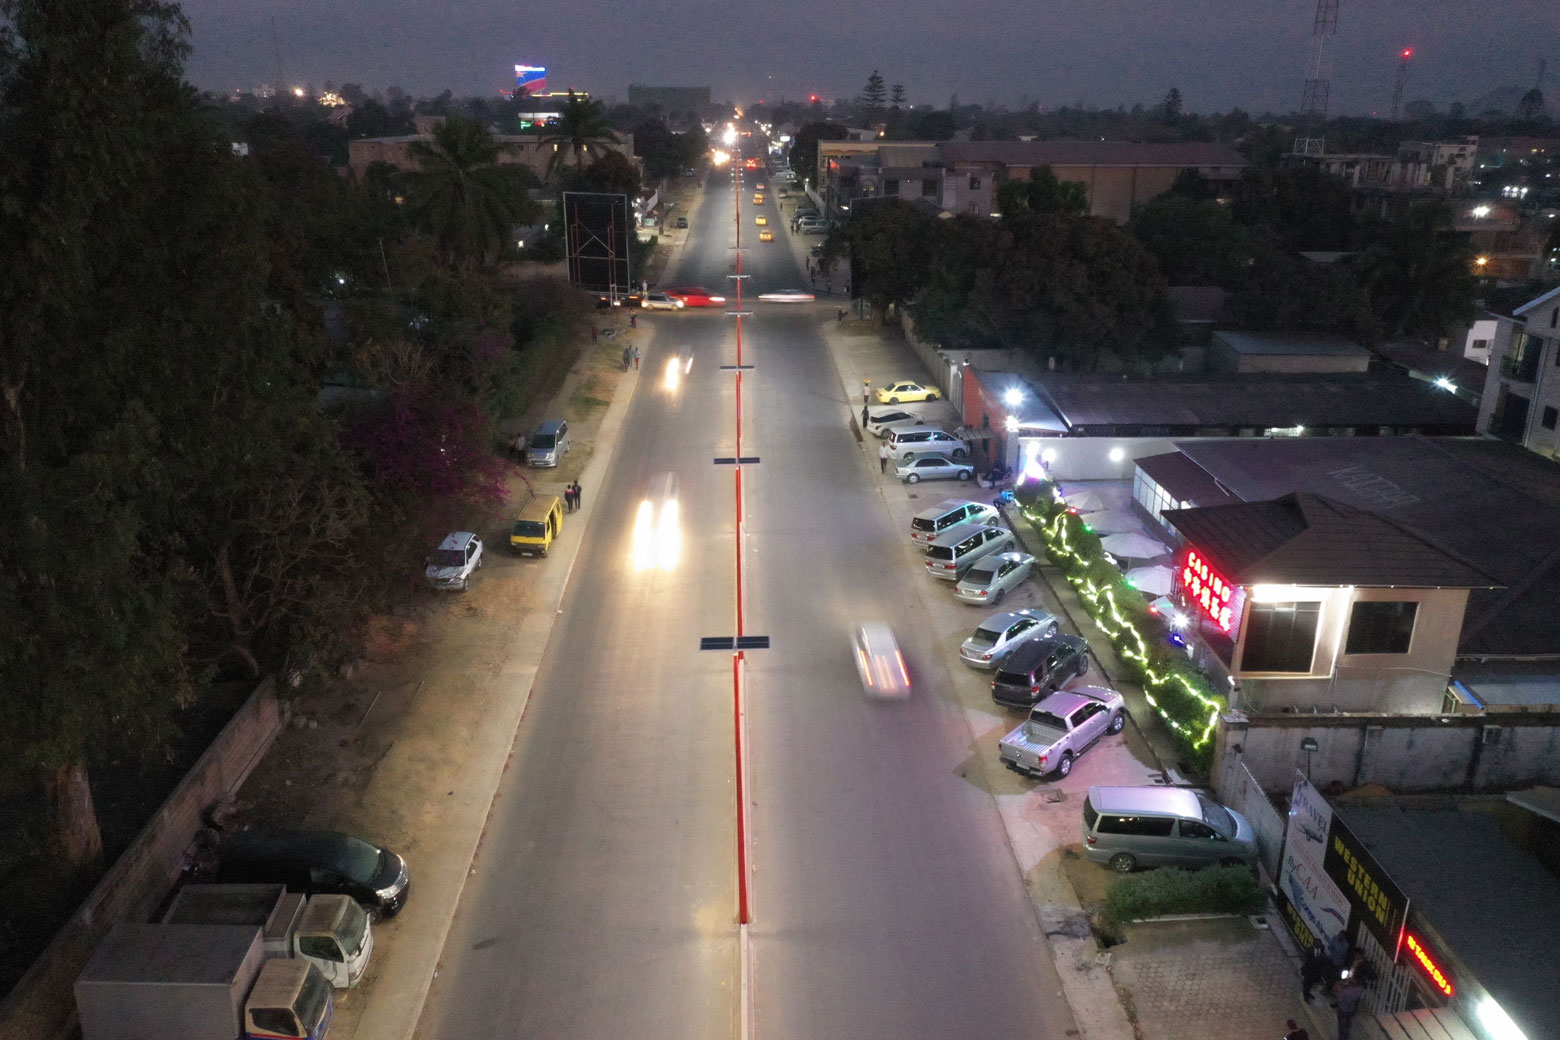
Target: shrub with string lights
1140, 636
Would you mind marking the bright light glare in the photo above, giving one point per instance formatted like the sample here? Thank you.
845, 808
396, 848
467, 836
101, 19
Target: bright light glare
657, 545
720, 158
674, 373
1494, 1018
731, 135
1445, 383
1012, 397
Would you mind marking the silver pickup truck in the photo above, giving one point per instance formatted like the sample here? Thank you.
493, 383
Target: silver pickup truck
1062, 727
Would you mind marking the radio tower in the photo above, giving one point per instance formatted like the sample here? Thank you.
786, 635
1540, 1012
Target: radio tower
1402, 75
1313, 106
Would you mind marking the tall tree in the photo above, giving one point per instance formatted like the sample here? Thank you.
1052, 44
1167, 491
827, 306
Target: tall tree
873, 96
1195, 240
890, 244
1170, 107
464, 196
582, 125
896, 96
1041, 193
804, 149
1417, 272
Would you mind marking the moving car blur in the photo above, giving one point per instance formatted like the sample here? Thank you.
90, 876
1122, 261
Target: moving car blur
879, 662
657, 535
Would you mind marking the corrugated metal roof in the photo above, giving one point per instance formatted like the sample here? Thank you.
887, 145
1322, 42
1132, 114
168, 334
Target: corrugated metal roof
1307, 539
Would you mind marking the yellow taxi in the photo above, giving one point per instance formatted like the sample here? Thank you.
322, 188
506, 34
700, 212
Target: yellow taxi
766, 235
758, 198
761, 221
902, 391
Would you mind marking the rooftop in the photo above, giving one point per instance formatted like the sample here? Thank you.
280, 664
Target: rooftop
1491, 503
1290, 344
1258, 400
1093, 153
1307, 539
1494, 904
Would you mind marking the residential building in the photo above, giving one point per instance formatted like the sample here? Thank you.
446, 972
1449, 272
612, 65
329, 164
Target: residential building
961, 176
1522, 386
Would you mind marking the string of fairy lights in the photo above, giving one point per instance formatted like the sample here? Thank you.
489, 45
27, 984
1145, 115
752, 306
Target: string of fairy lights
1196, 720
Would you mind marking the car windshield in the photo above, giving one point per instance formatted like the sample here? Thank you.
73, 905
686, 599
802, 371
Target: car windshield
352, 928
1042, 724
1217, 817
448, 558
978, 576
360, 861
985, 637
529, 529
542, 440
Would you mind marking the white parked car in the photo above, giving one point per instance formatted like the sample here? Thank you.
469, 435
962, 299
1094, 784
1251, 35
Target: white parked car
881, 424
452, 564
1001, 634
992, 577
932, 467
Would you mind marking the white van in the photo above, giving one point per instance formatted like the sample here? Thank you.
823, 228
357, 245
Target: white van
952, 553
906, 442
1130, 827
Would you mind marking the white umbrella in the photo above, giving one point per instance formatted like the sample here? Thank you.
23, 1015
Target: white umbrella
1133, 546
1155, 581
1165, 605
1087, 501
1114, 521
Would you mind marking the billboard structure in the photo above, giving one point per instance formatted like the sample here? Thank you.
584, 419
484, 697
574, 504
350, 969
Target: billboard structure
597, 229
530, 79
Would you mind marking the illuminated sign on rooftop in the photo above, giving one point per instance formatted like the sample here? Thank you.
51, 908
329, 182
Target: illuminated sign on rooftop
531, 78
1206, 589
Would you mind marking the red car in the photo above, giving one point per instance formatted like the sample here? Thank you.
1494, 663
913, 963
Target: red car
695, 296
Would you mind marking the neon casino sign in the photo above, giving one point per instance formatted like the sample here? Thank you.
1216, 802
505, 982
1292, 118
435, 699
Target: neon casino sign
1214, 596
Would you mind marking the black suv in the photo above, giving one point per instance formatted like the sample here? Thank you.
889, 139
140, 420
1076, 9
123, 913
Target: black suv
1038, 667
316, 862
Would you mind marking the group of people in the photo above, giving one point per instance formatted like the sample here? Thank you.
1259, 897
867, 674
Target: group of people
571, 496
1342, 971
630, 355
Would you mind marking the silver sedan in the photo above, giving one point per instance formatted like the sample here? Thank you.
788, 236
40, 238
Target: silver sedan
990, 579
1002, 633
932, 467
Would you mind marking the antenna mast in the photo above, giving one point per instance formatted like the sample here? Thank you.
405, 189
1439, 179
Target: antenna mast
1402, 77
1313, 106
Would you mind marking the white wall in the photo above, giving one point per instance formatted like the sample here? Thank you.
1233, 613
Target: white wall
1089, 458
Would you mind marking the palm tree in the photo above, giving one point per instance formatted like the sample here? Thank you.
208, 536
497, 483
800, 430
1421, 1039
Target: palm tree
464, 196
581, 123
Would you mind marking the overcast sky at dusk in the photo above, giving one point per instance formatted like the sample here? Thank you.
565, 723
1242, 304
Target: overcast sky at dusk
1219, 53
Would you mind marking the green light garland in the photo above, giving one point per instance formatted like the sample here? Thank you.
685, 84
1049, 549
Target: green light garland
1129, 641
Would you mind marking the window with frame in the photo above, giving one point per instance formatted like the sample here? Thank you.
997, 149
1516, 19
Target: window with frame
890, 187
974, 183
1549, 417
1381, 628
1280, 637
929, 186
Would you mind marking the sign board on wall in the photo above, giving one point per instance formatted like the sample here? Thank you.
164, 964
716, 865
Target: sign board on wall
1314, 908
1378, 903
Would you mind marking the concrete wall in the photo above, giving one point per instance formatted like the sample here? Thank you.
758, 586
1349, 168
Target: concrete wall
1239, 790
1489, 752
42, 1006
1089, 458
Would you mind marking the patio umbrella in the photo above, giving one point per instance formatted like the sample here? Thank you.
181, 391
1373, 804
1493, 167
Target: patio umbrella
1133, 546
1087, 501
1114, 521
1155, 581
1165, 605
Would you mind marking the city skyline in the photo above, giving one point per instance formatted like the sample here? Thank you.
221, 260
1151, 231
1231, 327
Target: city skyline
1099, 58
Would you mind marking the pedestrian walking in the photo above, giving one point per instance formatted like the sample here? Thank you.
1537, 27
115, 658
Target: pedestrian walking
633, 321
1295, 1032
636, 358
864, 416
866, 393
1313, 971
568, 498
577, 495
594, 332
883, 457
839, 319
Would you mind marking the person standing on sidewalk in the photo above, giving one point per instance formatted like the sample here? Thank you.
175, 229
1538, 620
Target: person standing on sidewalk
883, 454
866, 393
1349, 992
1313, 971
577, 494
636, 358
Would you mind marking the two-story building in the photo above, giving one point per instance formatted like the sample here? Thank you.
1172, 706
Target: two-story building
1521, 402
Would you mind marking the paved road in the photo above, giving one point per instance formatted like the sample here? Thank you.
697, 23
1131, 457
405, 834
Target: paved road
603, 900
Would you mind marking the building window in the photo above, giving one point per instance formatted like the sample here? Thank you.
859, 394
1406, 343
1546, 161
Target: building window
1381, 628
1549, 417
929, 187
1521, 361
974, 183
890, 187
1280, 637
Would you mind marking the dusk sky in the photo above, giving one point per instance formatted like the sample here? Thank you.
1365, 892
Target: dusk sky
1219, 53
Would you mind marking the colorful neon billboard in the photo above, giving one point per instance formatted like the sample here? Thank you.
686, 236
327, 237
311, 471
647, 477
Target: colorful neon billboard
1208, 590
530, 78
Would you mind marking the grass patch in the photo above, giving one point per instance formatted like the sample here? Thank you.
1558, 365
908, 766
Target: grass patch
1169, 890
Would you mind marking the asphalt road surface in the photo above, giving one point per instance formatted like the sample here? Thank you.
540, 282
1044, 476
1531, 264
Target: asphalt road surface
603, 901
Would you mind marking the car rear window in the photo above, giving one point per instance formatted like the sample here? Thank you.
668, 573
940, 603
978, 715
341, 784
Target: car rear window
939, 552
1149, 826
978, 576
1005, 678
922, 524
1090, 814
985, 637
